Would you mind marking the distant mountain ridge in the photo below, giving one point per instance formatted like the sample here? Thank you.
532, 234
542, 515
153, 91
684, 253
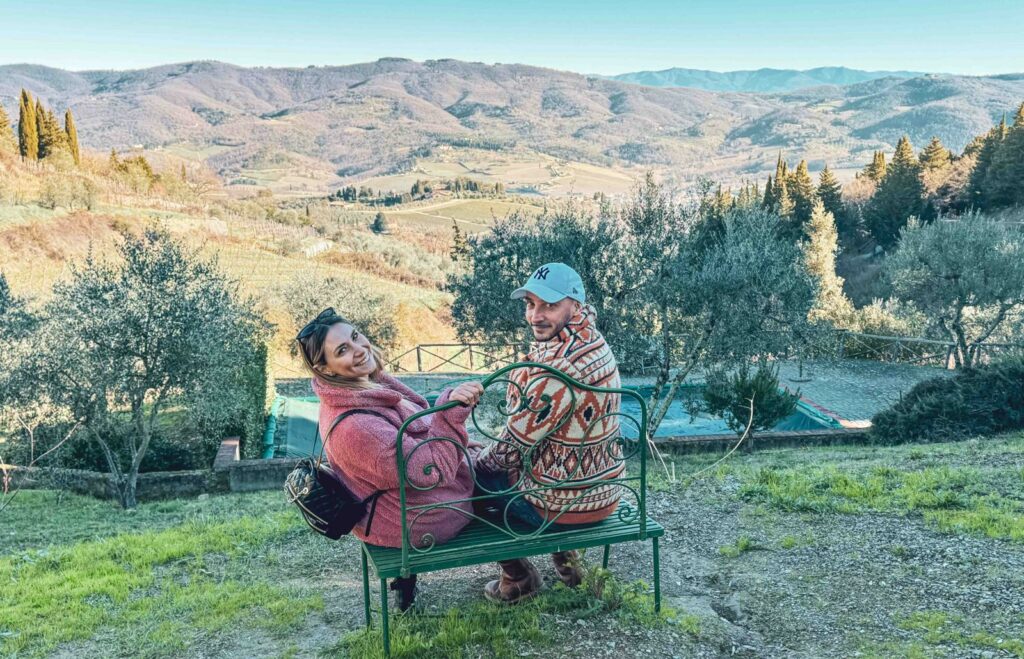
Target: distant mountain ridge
759, 80
349, 123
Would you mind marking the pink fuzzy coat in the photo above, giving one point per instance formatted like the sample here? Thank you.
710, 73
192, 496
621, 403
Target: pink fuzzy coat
362, 451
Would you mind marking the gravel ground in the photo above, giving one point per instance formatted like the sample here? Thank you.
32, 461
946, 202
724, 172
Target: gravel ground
814, 584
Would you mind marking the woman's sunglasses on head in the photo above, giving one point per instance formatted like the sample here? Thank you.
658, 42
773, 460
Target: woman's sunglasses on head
312, 325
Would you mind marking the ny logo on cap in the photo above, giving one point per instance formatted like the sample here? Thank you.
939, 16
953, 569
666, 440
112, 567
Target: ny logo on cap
542, 273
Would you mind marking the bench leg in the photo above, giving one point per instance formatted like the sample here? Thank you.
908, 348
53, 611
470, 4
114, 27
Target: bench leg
657, 578
384, 616
366, 588
604, 560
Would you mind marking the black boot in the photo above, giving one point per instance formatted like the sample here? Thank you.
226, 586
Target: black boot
406, 589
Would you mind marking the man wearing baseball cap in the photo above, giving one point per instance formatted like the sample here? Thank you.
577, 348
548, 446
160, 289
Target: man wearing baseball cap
566, 438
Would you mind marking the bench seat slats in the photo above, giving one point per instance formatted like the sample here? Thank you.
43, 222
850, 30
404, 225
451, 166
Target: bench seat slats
479, 543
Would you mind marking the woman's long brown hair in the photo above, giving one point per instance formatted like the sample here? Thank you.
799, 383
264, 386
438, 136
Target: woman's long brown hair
311, 347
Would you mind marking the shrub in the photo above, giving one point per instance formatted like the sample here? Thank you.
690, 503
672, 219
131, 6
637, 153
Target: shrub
68, 192
380, 224
979, 401
729, 396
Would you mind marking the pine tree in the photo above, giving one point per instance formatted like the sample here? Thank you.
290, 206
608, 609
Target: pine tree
900, 195
876, 169
1004, 181
935, 157
28, 136
831, 194
801, 189
831, 304
71, 134
8, 142
976, 183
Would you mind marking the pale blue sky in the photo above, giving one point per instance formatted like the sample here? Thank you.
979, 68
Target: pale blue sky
972, 37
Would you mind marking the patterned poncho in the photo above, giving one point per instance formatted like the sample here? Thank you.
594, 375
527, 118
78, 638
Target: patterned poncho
570, 442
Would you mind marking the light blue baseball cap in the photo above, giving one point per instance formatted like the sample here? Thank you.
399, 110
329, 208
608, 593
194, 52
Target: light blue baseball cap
553, 282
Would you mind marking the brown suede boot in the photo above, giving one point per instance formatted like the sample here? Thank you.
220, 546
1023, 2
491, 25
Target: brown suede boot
567, 565
519, 581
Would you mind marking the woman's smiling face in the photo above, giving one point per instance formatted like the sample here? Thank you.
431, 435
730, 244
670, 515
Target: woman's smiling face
347, 353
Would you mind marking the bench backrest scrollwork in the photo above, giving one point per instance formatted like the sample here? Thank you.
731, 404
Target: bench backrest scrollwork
527, 396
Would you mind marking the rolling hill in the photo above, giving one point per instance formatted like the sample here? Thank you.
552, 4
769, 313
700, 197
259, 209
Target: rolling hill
760, 80
306, 131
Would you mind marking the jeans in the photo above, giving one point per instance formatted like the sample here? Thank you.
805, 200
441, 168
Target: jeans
519, 510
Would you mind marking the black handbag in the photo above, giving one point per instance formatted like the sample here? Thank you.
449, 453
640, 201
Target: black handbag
324, 502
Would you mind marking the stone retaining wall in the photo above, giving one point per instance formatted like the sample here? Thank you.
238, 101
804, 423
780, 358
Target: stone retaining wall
250, 475
149, 487
231, 474
765, 440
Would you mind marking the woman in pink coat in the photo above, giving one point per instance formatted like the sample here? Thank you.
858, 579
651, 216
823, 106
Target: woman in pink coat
348, 374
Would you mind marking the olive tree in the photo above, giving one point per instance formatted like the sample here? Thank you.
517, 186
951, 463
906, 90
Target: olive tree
672, 291
966, 275
18, 410
308, 293
123, 340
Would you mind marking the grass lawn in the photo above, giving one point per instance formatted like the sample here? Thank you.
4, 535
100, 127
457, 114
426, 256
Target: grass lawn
877, 551
236, 575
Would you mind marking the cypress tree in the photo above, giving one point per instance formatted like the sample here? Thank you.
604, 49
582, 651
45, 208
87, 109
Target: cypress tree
976, 182
780, 170
749, 196
460, 245
40, 114
51, 137
28, 136
769, 201
876, 169
72, 136
935, 156
801, 189
785, 200
831, 194
723, 201
900, 195
7, 139
830, 304
1004, 181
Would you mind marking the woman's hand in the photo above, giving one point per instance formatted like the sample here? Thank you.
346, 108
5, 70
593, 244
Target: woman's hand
467, 393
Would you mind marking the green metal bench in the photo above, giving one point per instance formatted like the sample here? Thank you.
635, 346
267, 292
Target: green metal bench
485, 540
